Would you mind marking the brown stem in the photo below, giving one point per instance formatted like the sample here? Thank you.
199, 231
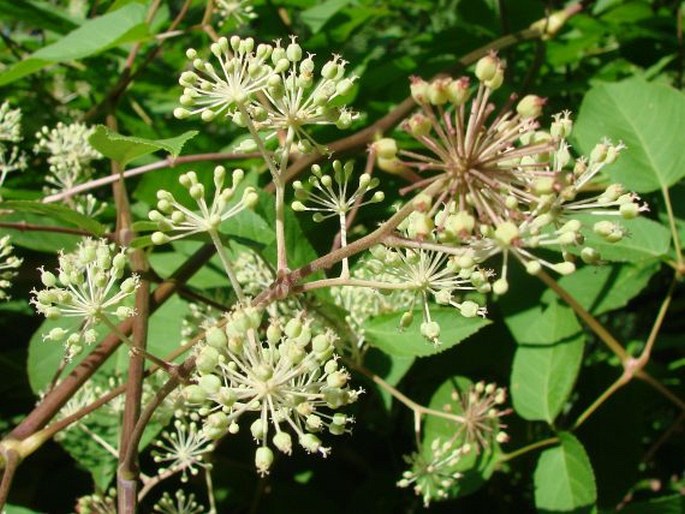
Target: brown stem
56, 399
169, 162
11, 460
22, 226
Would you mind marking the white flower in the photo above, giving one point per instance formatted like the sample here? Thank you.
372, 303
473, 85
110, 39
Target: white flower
86, 286
291, 378
8, 263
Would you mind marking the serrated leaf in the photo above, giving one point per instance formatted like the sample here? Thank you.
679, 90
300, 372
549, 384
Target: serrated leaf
601, 289
57, 212
93, 36
543, 325
49, 242
646, 239
542, 377
317, 16
648, 118
125, 149
563, 478
384, 332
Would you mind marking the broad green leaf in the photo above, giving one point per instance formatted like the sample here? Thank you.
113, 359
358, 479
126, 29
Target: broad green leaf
542, 377
384, 332
563, 477
646, 239
94, 36
476, 467
674, 504
44, 356
648, 118
125, 149
543, 325
56, 212
16, 509
601, 289
316, 17
40, 241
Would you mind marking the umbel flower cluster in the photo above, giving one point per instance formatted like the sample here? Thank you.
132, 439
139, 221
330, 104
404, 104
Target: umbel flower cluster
86, 287
509, 187
70, 158
435, 470
8, 264
267, 87
289, 376
176, 221
11, 158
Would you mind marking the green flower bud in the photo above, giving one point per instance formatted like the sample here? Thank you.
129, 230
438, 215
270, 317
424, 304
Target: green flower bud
430, 330
283, 442
310, 443
500, 286
263, 459
590, 255
216, 338
530, 106
486, 67
210, 383
194, 394
207, 360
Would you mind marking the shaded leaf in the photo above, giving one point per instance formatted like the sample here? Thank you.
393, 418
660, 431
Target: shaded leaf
57, 212
384, 332
543, 325
563, 477
316, 17
600, 289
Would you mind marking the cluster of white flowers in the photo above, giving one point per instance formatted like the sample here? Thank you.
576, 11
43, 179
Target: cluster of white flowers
290, 377
236, 12
509, 187
87, 287
11, 157
173, 217
434, 470
70, 158
268, 86
179, 504
8, 264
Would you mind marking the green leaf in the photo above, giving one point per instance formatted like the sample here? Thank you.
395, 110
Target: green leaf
646, 239
44, 357
49, 242
16, 509
316, 17
648, 118
543, 325
384, 332
125, 149
674, 504
542, 377
563, 477
94, 36
57, 212
601, 289
40, 15
476, 467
